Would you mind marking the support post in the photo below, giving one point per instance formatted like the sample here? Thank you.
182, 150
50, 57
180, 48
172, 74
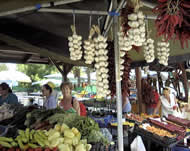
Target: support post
139, 90
185, 81
159, 78
66, 69
118, 81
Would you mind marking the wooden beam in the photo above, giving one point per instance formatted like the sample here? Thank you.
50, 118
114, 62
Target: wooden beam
139, 90
42, 51
17, 51
56, 65
4, 55
66, 68
26, 58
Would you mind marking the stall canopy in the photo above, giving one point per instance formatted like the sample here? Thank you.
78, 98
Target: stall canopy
30, 36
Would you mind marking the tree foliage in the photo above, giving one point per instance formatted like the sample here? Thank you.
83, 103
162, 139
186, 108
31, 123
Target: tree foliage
36, 71
3, 67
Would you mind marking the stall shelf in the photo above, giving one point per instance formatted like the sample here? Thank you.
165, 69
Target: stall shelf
167, 145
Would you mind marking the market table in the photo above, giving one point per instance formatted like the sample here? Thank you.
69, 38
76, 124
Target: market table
166, 147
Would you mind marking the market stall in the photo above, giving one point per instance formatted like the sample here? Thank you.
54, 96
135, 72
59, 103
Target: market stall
32, 129
112, 59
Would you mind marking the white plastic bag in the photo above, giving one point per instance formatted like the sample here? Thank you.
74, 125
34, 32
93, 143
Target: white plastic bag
137, 144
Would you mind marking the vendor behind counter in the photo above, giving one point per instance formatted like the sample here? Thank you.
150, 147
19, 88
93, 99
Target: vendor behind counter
7, 96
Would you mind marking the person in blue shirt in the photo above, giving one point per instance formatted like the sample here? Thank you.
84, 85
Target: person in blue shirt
6, 95
126, 105
50, 100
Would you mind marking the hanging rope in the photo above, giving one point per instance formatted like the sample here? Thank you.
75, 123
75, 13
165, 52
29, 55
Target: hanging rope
73, 17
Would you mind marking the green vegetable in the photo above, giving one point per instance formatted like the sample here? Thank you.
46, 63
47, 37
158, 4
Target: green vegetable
6, 139
39, 140
14, 144
80, 147
54, 136
68, 133
5, 144
20, 144
27, 134
68, 141
41, 133
32, 145
75, 141
64, 147
31, 134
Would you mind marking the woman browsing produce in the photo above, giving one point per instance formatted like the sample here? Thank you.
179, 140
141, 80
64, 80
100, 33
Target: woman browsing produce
50, 101
68, 103
168, 103
7, 95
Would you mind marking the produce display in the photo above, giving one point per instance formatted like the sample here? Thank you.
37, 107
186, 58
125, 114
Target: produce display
149, 50
126, 123
124, 46
17, 121
163, 52
173, 20
125, 83
180, 121
146, 116
171, 128
46, 119
53, 130
158, 131
60, 138
134, 117
75, 42
101, 64
124, 43
89, 48
136, 33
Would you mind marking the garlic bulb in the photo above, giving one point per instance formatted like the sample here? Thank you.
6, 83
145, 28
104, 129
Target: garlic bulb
101, 64
163, 52
124, 42
136, 33
149, 50
75, 42
89, 48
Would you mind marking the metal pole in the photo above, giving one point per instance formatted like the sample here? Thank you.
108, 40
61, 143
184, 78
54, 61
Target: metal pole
118, 81
108, 17
70, 11
38, 6
121, 4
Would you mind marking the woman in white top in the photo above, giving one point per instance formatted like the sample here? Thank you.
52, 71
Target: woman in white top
169, 103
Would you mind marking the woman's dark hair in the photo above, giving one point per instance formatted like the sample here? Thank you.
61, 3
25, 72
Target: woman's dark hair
66, 84
5, 86
48, 87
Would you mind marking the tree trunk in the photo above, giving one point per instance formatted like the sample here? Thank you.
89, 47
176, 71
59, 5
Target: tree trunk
78, 76
88, 74
139, 91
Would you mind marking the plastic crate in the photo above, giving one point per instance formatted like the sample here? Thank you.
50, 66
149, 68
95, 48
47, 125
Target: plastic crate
101, 147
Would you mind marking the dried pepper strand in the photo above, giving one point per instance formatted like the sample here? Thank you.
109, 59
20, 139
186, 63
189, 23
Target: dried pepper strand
173, 19
124, 22
125, 84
